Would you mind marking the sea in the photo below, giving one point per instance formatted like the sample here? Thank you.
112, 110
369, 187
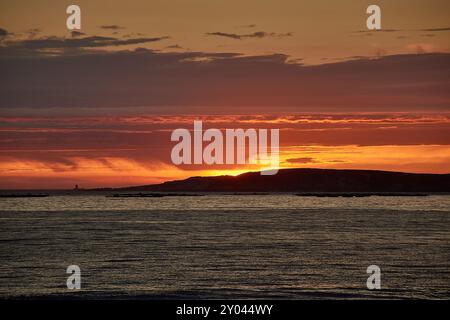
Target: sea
225, 246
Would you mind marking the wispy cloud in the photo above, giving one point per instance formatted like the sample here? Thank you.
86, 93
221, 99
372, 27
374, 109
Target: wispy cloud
375, 31
247, 26
371, 32
112, 27
258, 34
174, 46
436, 29
75, 34
301, 160
55, 45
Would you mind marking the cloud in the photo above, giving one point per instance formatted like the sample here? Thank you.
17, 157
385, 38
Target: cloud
101, 145
301, 160
3, 33
222, 34
92, 41
180, 82
133, 35
436, 29
370, 32
32, 33
111, 27
388, 30
247, 26
174, 46
55, 45
258, 34
75, 34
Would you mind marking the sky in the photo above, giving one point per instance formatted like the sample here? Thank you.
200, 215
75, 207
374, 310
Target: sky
96, 107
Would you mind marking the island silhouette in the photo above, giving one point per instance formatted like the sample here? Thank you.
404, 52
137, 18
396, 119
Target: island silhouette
306, 180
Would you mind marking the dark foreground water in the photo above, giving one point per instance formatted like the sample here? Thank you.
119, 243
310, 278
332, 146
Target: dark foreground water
225, 246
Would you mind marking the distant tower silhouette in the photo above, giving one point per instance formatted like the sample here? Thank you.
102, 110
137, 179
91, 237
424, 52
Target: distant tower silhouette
76, 187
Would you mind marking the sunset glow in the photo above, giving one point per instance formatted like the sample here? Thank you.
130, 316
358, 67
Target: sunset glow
99, 105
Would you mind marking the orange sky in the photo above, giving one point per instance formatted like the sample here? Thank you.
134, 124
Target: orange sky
129, 150
97, 108
321, 30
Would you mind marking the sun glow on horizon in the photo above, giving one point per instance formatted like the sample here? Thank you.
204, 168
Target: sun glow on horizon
123, 171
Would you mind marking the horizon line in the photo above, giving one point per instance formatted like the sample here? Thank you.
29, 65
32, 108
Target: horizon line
224, 175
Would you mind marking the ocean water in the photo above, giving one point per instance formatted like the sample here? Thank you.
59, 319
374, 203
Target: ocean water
225, 246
